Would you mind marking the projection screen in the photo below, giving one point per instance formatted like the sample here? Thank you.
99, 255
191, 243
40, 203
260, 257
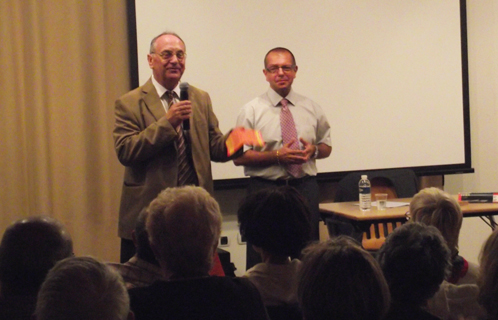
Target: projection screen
391, 76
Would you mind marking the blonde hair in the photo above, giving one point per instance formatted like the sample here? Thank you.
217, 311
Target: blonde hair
434, 207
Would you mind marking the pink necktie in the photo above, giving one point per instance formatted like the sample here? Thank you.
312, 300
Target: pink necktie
186, 173
289, 132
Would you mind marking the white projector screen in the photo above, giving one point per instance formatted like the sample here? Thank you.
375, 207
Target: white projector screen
391, 75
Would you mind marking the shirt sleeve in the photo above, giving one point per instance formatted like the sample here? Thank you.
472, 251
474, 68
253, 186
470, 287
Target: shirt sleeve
323, 127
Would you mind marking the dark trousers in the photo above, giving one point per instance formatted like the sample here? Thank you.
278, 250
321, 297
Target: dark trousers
307, 186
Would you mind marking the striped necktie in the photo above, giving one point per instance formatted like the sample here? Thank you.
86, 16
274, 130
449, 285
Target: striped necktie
186, 172
289, 132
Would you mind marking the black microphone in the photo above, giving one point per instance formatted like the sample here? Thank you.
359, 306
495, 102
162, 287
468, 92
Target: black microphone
184, 96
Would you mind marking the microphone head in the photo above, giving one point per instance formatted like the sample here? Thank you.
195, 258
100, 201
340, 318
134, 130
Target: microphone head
183, 91
184, 86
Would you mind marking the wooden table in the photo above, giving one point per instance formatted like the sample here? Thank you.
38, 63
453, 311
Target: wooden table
362, 220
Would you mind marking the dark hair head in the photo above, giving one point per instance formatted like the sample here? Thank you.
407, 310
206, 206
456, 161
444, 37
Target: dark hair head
277, 220
488, 276
415, 260
339, 280
30, 247
280, 49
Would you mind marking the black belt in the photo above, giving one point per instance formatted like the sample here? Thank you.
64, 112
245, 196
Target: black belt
286, 182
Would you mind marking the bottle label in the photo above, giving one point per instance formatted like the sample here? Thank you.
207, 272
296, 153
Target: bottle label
364, 190
365, 198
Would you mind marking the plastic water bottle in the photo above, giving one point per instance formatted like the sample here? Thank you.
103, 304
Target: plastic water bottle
365, 196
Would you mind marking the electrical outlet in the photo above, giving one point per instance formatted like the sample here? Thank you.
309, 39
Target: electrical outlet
224, 242
241, 239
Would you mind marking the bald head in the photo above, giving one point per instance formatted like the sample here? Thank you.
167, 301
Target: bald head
30, 247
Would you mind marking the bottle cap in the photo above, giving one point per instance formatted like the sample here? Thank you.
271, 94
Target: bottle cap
364, 176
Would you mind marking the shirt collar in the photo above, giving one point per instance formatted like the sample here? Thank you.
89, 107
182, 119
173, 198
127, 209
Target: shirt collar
275, 98
161, 90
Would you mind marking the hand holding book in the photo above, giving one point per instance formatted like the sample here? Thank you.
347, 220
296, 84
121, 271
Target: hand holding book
241, 136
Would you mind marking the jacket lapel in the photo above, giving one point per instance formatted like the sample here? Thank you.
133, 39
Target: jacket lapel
152, 100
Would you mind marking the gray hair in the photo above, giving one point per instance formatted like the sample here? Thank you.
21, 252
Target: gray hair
153, 41
81, 288
415, 260
184, 225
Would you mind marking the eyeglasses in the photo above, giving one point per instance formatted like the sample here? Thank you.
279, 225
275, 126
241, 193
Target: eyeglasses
285, 69
166, 55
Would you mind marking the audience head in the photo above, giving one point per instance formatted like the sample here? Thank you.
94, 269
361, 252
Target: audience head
184, 226
488, 276
415, 260
437, 208
30, 247
339, 280
141, 239
275, 220
82, 288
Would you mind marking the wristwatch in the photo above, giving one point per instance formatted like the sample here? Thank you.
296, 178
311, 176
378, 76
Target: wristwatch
315, 155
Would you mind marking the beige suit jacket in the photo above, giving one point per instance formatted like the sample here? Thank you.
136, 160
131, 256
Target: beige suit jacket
145, 144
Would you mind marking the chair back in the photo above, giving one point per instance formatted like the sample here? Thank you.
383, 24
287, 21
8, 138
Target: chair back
404, 181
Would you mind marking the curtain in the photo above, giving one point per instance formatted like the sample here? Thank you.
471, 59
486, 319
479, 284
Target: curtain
63, 64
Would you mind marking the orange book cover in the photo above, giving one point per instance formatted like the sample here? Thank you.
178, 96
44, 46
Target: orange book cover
240, 137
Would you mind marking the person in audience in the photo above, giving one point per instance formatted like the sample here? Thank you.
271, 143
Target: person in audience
437, 208
341, 281
488, 276
415, 260
184, 226
275, 221
457, 295
142, 269
30, 247
83, 288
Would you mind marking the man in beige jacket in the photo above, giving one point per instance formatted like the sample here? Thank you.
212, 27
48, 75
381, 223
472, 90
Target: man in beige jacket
148, 123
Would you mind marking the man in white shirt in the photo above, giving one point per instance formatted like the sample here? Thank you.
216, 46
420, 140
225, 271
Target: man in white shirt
282, 162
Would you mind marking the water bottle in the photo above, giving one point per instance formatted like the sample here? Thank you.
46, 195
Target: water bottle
365, 196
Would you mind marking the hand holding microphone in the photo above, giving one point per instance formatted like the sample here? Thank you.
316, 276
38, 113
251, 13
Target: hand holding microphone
180, 111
